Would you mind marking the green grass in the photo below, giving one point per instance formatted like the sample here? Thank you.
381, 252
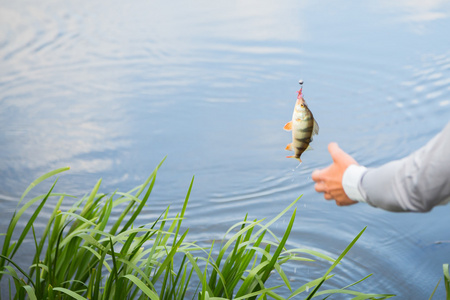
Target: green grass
446, 283
83, 254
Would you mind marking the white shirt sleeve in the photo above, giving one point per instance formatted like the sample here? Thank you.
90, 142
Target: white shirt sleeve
351, 182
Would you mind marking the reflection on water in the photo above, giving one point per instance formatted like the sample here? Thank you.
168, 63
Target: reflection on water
110, 88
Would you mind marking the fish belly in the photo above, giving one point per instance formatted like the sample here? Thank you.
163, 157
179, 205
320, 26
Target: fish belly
301, 135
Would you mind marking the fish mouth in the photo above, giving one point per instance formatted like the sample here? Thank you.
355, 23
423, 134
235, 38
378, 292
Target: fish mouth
300, 101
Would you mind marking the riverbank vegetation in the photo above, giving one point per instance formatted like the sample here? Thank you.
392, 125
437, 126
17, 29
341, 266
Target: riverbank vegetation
84, 253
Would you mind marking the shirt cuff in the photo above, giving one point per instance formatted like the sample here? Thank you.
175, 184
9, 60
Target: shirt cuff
351, 181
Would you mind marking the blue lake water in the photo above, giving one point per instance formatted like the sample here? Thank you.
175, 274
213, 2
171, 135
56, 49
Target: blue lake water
110, 88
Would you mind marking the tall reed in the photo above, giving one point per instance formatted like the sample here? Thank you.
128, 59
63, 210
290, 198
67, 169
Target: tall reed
83, 254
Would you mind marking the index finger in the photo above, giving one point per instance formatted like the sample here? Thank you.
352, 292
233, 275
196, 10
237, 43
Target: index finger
317, 175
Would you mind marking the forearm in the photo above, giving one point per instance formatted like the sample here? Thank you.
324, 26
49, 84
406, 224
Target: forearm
391, 188
415, 183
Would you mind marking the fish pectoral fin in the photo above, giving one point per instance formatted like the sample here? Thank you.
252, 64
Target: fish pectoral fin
288, 147
288, 126
315, 128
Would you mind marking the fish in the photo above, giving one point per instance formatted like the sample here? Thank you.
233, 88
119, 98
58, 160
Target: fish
303, 126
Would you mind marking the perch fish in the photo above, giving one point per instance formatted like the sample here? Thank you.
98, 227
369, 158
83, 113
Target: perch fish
303, 127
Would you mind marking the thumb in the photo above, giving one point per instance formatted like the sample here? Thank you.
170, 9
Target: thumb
338, 155
335, 152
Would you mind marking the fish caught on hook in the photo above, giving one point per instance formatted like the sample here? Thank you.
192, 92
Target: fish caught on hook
303, 126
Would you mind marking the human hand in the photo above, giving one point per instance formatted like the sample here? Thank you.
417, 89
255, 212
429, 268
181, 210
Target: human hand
329, 180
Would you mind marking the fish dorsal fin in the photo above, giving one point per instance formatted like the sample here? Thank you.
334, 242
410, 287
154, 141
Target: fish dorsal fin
315, 128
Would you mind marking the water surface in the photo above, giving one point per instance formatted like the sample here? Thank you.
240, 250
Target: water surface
110, 88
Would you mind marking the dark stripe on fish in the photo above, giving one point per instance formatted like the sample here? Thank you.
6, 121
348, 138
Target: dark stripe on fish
306, 140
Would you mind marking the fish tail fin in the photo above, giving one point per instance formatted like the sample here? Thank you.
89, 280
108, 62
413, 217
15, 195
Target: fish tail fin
293, 156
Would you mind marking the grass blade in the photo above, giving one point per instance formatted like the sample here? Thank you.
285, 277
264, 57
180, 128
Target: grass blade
446, 281
359, 295
40, 179
345, 252
308, 285
183, 210
151, 294
335, 263
69, 293
278, 216
279, 249
18, 268
30, 292
9, 250
435, 289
